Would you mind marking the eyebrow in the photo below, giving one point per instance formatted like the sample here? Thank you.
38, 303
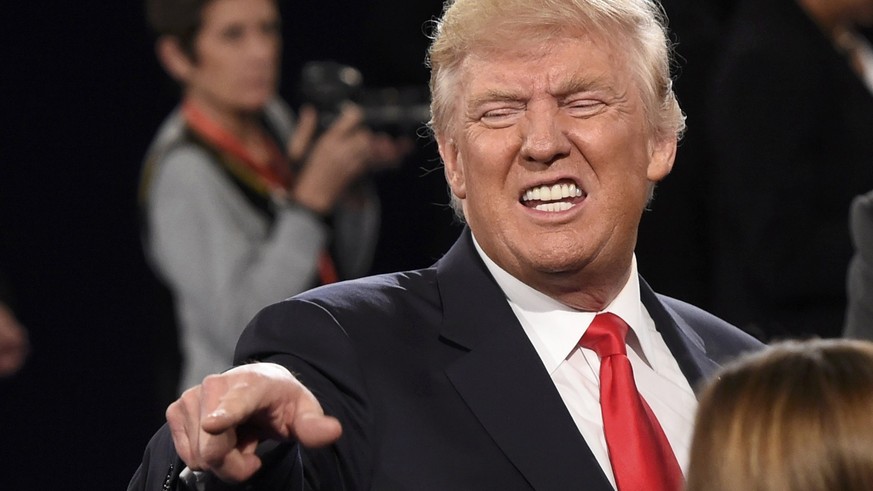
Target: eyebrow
584, 83
494, 95
573, 85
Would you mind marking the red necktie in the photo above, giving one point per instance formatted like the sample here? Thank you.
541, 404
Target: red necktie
639, 452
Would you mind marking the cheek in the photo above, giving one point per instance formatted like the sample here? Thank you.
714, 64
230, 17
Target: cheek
620, 165
216, 74
483, 179
490, 157
223, 68
618, 148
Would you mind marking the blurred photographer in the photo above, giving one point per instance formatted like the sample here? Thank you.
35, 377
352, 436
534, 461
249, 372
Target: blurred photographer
241, 208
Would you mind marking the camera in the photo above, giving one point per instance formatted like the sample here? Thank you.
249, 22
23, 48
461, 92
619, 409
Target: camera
327, 85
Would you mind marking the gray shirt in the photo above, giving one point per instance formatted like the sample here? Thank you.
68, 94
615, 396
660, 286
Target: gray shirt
223, 258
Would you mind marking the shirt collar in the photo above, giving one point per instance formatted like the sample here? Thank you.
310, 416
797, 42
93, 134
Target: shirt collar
555, 328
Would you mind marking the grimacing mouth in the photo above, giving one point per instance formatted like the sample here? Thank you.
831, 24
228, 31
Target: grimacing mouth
560, 196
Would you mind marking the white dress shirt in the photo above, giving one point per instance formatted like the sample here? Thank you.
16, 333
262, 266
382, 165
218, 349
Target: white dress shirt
555, 329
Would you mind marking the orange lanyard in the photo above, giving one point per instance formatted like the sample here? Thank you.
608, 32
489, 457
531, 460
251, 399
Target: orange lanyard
276, 175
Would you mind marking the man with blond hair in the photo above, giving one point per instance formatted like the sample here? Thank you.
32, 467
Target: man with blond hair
532, 355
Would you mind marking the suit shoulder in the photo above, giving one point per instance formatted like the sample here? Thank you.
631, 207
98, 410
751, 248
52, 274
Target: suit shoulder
379, 292
692, 312
713, 330
334, 325
365, 305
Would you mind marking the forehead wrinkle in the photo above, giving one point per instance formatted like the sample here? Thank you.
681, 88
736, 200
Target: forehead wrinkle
582, 82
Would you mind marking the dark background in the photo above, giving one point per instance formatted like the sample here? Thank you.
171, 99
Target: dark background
82, 95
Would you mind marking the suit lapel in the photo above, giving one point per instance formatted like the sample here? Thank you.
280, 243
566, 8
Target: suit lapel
503, 381
685, 345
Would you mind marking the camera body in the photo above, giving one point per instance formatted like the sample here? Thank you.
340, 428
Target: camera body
327, 85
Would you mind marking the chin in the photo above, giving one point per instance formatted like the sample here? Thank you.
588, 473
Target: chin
253, 105
255, 99
559, 261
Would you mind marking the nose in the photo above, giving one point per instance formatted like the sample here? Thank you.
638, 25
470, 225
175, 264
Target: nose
543, 139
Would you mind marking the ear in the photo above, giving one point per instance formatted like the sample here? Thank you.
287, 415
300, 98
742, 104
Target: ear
662, 154
452, 166
174, 60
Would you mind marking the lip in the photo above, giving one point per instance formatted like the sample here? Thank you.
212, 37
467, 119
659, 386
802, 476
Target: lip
552, 181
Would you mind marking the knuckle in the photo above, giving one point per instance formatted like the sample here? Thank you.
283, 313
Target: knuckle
173, 412
213, 383
211, 380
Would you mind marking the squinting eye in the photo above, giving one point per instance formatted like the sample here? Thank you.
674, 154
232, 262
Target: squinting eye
497, 113
585, 107
499, 118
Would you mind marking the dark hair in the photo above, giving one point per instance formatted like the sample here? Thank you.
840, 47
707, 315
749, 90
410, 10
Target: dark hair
180, 19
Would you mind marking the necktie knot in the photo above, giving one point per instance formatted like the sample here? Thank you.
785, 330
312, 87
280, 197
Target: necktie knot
606, 335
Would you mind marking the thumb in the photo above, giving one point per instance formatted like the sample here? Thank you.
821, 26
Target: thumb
307, 124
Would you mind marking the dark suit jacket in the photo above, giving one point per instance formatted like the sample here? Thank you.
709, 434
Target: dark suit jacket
436, 384
792, 137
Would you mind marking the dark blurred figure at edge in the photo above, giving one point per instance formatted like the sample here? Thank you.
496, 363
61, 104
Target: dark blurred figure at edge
14, 345
859, 278
242, 209
790, 116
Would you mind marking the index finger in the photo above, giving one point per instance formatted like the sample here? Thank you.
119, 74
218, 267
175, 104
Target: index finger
271, 402
350, 118
230, 399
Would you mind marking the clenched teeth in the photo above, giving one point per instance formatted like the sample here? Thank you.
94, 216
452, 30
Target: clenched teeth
552, 193
558, 206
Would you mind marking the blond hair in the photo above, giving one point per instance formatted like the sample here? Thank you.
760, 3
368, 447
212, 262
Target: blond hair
481, 25
795, 417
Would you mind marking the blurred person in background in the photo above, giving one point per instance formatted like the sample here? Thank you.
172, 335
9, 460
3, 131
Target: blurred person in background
859, 277
791, 128
797, 416
242, 209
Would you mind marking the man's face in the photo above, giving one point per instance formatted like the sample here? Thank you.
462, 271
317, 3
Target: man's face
551, 154
237, 55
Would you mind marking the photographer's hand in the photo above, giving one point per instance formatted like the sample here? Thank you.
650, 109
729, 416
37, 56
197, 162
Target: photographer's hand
388, 152
333, 160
